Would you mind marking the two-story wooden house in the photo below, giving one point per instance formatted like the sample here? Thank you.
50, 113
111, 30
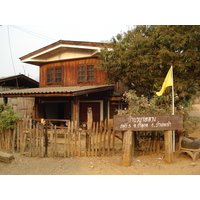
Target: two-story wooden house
70, 83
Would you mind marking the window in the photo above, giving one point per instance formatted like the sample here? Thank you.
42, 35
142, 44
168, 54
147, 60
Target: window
85, 73
54, 75
81, 73
50, 75
90, 72
58, 75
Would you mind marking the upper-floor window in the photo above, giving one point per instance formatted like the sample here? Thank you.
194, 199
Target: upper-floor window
85, 73
54, 75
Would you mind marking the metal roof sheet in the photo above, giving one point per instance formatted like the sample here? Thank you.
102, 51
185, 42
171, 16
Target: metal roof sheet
75, 90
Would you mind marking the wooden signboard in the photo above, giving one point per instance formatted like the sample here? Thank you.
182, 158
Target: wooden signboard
147, 122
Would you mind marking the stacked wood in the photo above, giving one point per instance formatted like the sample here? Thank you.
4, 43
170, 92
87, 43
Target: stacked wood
6, 157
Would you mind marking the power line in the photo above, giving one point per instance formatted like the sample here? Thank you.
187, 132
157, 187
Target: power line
12, 56
33, 33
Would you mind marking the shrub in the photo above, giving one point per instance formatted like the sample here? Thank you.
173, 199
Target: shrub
7, 117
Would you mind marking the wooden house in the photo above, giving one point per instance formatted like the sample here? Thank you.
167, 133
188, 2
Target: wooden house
70, 83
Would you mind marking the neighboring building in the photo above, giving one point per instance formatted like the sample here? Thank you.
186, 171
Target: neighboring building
70, 83
24, 106
17, 82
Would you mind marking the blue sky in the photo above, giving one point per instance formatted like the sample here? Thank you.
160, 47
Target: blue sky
25, 22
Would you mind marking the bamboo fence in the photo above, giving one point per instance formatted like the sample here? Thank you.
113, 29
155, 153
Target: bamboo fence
34, 139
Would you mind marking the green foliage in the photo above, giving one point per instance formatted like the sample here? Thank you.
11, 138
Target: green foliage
142, 57
7, 117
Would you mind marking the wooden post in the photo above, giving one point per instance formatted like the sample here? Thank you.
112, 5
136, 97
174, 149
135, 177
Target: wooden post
127, 147
168, 146
76, 110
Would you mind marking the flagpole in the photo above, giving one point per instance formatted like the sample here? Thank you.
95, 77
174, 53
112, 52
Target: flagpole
173, 132
172, 92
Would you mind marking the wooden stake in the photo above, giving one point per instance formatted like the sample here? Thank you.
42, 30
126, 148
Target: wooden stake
79, 143
113, 139
65, 143
14, 133
96, 139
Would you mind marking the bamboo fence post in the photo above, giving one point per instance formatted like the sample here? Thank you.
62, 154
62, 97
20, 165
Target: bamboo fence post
34, 138
113, 142
29, 132
46, 139
41, 141
86, 144
13, 139
92, 138
36, 127
79, 143
52, 140
68, 139
55, 141
71, 139
65, 143
96, 139
18, 131
109, 140
104, 140
75, 139
100, 138
89, 142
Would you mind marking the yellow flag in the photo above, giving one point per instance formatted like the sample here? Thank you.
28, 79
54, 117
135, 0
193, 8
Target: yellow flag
167, 82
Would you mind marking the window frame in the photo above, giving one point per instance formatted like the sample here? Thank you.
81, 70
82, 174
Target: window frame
53, 76
86, 75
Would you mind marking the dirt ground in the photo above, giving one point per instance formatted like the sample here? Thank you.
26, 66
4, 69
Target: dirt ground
141, 165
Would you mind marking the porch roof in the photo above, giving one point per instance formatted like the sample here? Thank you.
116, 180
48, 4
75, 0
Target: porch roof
56, 91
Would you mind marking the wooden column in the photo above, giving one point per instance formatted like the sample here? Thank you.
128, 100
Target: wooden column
168, 146
76, 110
127, 148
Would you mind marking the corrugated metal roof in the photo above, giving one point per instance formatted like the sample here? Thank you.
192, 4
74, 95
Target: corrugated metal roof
75, 90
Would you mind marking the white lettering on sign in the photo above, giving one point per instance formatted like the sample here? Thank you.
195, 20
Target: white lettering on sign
141, 119
138, 123
158, 124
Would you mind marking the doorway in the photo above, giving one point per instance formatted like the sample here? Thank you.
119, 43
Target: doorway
54, 110
96, 111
